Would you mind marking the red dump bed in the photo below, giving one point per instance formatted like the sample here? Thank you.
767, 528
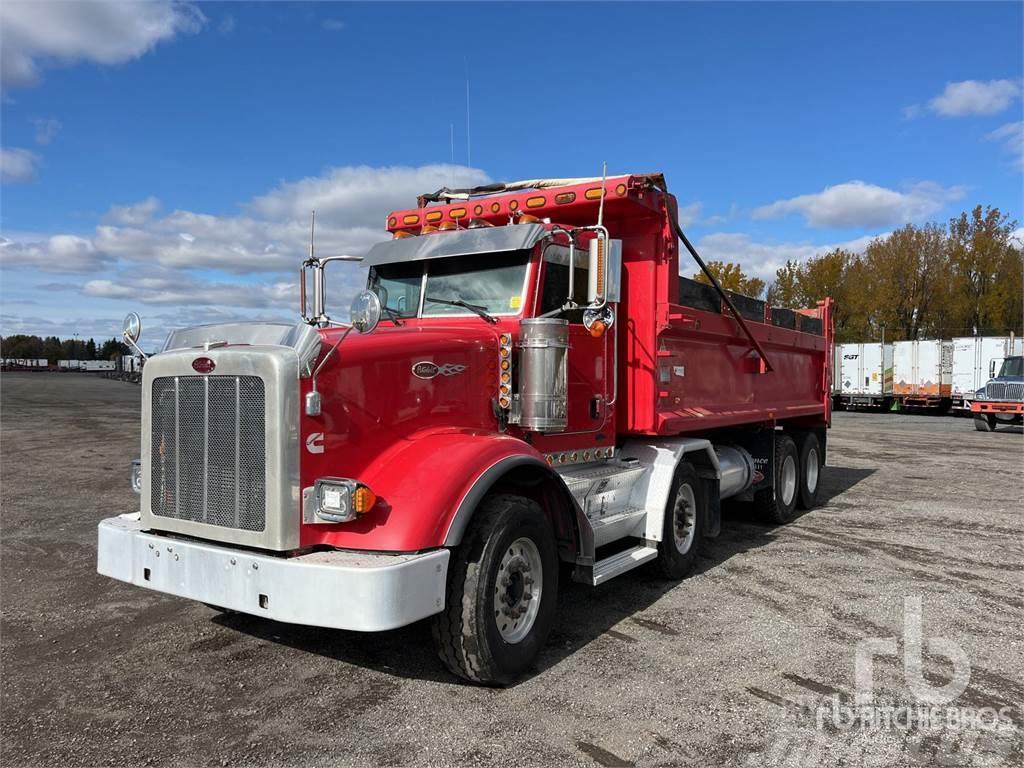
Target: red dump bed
684, 363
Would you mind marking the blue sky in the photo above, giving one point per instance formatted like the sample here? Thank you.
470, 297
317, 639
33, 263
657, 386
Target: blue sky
164, 157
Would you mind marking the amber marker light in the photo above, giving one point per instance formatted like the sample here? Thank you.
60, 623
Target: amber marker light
363, 500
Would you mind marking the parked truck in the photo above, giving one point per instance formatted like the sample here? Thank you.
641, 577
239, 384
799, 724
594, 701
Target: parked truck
922, 373
1001, 400
526, 387
976, 360
865, 374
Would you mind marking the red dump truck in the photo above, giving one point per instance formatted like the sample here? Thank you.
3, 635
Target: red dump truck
525, 388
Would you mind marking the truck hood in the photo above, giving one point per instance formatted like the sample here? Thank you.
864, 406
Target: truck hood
399, 380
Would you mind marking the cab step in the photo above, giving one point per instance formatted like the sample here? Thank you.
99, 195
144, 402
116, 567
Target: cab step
616, 564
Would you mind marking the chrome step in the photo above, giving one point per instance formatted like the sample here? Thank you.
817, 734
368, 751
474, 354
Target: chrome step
618, 524
621, 562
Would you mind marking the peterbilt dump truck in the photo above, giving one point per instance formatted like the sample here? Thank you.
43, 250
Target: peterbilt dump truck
525, 390
1001, 400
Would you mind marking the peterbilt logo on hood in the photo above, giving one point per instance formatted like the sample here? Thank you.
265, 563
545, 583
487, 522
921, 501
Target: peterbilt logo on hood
428, 370
203, 365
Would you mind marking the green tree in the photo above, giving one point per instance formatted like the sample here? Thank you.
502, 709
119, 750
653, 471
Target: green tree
731, 277
984, 264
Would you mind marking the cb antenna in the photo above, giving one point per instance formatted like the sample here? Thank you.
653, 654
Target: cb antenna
604, 181
312, 227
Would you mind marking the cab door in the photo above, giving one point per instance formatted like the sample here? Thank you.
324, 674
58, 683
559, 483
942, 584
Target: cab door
589, 358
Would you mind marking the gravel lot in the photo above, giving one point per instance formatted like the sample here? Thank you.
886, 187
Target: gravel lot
726, 668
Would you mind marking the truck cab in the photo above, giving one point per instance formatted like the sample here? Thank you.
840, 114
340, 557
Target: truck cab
1001, 400
524, 389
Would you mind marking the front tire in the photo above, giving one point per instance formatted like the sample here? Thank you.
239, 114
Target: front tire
501, 593
986, 422
778, 504
683, 529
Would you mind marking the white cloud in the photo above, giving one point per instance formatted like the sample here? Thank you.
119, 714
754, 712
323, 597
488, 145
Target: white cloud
333, 25
762, 259
227, 25
976, 97
138, 254
858, 204
34, 33
1011, 136
172, 288
58, 253
17, 166
134, 214
46, 129
690, 214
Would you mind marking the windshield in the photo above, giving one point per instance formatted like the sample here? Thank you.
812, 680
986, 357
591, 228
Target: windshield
1012, 366
492, 282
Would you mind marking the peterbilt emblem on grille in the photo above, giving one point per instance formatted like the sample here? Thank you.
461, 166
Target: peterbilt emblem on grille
428, 370
203, 365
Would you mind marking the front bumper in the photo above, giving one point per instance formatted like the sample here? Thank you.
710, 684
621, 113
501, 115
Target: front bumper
338, 589
996, 406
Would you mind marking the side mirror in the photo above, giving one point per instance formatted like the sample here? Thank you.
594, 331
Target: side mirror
992, 369
131, 328
365, 311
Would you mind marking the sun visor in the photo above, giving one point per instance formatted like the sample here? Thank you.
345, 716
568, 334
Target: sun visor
463, 242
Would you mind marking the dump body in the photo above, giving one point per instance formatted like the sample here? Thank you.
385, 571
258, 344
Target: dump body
865, 373
976, 359
922, 371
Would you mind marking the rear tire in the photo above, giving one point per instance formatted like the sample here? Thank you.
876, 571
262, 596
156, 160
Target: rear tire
810, 471
683, 528
501, 593
778, 505
985, 423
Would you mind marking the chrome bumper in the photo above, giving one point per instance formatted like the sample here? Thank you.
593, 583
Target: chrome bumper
339, 589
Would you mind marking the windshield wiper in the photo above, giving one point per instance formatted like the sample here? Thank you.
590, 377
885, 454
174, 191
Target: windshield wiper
393, 315
482, 311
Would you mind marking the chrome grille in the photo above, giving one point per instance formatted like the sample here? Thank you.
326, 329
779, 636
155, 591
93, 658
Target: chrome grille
1001, 390
208, 450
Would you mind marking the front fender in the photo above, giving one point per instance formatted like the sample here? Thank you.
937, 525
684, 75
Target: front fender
427, 486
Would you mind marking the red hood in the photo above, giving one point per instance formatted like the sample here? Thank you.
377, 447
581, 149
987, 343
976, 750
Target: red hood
372, 397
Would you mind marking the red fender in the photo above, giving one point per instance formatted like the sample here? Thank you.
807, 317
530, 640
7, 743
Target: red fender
427, 487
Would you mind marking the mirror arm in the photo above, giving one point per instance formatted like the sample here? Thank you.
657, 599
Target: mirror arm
135, 346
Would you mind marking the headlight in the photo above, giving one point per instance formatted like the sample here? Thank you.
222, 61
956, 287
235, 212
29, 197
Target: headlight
137, 476
339, 500
979, 395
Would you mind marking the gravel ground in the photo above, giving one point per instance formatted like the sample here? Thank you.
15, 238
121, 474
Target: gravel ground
734, 666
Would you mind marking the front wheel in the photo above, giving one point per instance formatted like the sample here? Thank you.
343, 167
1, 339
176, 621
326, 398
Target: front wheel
501, 593
985, 422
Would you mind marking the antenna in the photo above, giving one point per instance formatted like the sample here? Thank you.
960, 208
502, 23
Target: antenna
600, 207
312, 227
469, 156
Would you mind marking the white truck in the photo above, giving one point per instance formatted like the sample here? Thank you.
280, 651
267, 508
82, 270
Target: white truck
976, 359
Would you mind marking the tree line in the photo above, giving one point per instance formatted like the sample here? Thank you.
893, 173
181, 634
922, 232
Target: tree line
965, 278
52, 348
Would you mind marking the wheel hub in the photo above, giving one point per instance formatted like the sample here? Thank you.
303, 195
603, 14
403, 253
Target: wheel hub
517, 590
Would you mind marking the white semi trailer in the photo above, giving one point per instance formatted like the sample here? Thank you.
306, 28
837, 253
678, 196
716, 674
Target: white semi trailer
864, 373
922, 372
